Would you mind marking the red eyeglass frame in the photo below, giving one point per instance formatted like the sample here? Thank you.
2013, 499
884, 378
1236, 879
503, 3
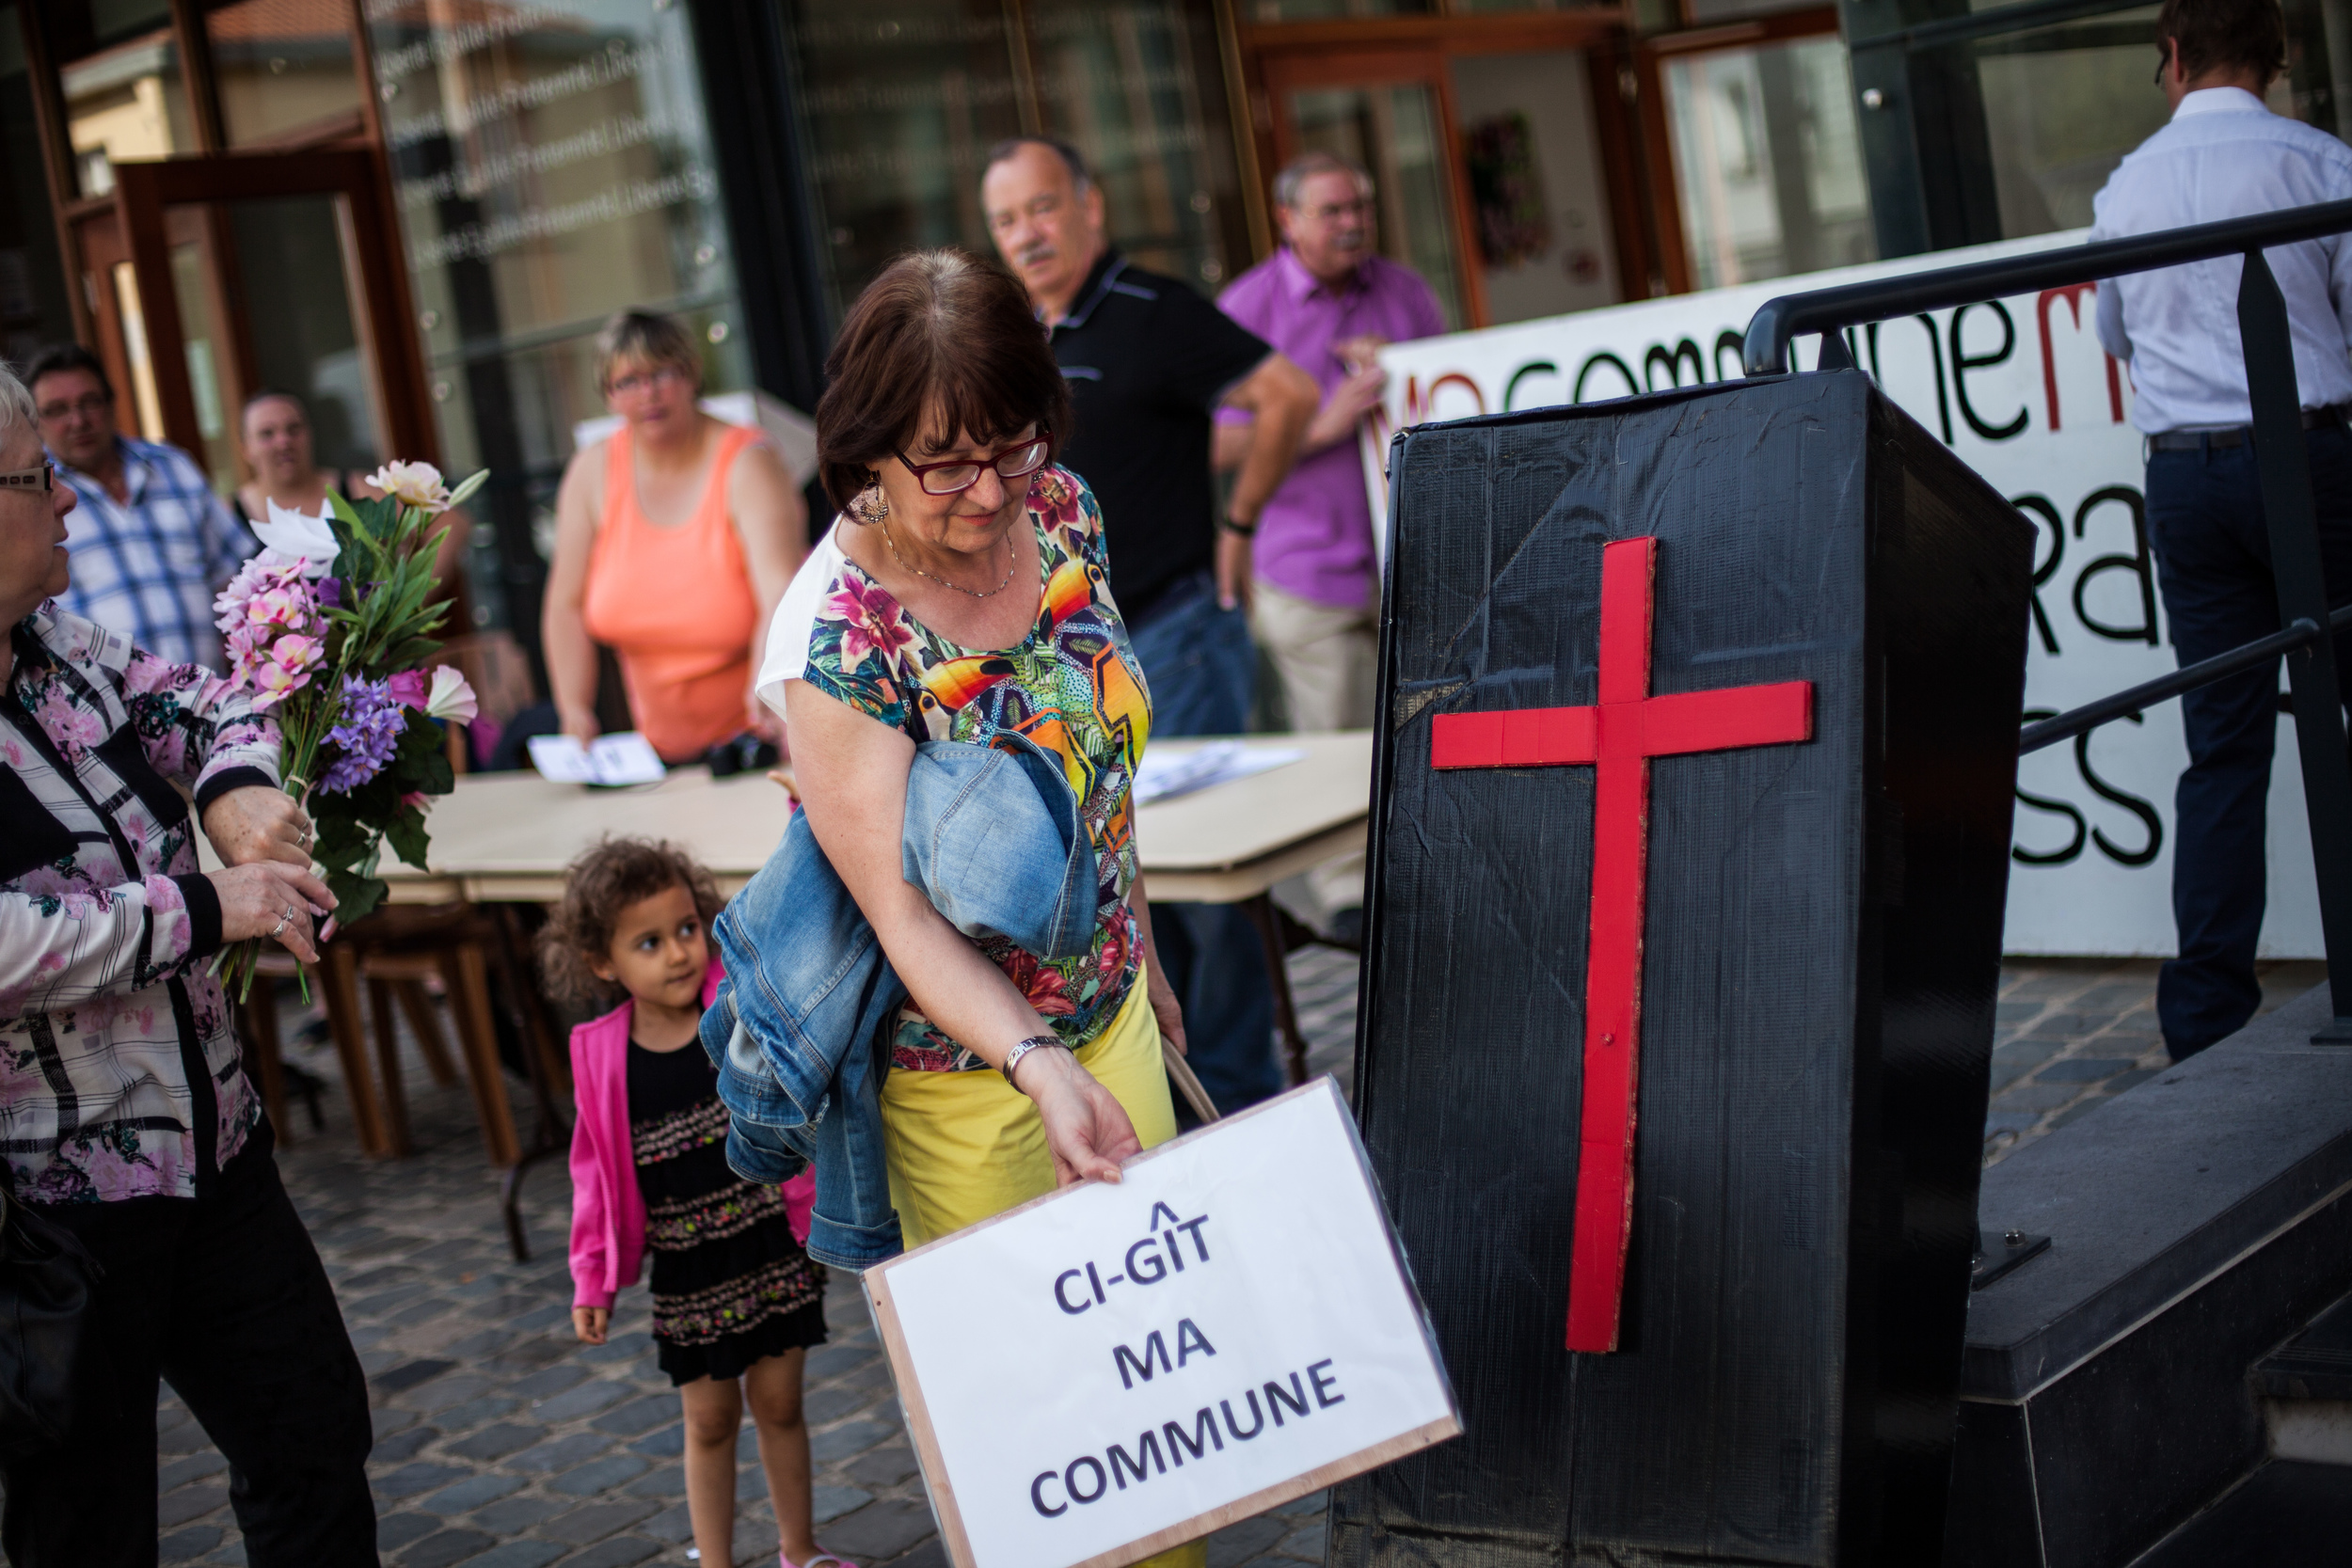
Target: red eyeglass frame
1043, 438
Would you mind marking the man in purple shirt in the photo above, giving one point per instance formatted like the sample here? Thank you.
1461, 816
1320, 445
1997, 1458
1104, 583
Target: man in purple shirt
1330, 301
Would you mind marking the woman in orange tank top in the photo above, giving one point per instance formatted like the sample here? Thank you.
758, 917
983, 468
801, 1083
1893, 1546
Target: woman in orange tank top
674, 539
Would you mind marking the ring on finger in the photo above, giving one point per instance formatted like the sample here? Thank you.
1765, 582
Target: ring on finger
283, 921
306, 835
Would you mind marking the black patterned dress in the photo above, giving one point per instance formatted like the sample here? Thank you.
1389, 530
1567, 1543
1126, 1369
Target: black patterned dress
730, 1285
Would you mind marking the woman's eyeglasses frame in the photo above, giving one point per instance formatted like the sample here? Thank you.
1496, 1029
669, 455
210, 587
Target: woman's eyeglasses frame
1043, 441
636, 382
43, 478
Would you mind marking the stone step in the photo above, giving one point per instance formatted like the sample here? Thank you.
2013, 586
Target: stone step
2285, 1512
2317, 1364
2305, 1388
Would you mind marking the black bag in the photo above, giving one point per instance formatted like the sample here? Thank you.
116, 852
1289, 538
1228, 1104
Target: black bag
46, 1278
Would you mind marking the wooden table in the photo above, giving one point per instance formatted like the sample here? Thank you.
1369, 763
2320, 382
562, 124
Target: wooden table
506, 837
502, 839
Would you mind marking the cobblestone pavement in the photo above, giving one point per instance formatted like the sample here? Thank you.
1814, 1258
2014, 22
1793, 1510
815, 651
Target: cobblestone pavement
501, 1442
2073, 1033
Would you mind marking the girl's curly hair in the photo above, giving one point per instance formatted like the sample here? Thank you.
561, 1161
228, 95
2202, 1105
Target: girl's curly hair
598, 886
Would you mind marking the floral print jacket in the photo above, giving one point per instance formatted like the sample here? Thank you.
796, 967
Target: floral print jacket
120, 1075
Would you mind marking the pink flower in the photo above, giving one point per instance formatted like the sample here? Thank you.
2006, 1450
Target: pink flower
287, 605
417, 801
295, 651
273, 683
266, 594
409, 687
871, 622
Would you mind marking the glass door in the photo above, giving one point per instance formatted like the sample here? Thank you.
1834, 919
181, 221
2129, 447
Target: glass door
1391, 111
242, 274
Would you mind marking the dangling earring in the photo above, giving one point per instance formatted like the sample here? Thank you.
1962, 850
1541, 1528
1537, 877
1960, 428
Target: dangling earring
870, 506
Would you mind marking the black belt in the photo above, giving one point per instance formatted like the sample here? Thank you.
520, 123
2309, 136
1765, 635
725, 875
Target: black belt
2239, 435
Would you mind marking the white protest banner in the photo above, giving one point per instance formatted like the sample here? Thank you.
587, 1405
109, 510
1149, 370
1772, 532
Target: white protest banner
2021, 390
1112, 1371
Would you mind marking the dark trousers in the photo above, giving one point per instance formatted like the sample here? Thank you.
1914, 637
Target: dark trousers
223, 1297
2212, 560
1201, 666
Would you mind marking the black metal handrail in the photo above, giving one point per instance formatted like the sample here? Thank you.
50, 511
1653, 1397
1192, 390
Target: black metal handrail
2189, 677
1787, 317
2280, 458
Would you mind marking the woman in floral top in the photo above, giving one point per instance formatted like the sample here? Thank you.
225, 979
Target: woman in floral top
961, 595
126, 1114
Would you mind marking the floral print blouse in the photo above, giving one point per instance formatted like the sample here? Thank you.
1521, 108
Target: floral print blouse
1072, 685
106, 926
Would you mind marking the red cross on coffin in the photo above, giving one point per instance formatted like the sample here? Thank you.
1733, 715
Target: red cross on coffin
1618, 737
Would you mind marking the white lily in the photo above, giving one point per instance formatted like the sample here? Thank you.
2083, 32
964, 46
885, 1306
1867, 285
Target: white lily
297, 536
450, 697
415, 485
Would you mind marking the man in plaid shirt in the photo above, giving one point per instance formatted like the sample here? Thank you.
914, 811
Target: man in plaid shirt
150, 544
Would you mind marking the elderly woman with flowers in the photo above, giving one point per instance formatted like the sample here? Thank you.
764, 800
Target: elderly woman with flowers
126, 1117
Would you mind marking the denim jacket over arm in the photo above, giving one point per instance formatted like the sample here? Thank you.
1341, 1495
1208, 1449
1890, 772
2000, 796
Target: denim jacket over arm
800, 1024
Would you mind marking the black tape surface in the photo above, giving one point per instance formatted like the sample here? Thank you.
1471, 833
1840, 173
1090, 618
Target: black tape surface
1822, 949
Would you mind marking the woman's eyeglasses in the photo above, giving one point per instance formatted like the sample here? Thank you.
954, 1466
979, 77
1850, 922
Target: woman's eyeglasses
43, 477
954, 477
635, 381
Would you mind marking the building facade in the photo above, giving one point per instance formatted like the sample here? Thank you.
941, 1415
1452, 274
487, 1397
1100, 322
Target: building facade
417, 212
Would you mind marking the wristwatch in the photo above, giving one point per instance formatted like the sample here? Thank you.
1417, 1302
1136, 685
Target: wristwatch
1013, 1057
1242, 530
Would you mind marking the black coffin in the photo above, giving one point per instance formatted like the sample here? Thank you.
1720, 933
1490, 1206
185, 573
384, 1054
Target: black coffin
1822, 945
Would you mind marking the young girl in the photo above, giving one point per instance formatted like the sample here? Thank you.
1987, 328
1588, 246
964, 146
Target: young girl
735, 1302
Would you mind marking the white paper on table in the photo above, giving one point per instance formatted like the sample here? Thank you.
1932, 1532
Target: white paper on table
1166, 775
626, 758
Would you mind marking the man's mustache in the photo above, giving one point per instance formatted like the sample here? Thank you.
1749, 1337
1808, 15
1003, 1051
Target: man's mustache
1034, 252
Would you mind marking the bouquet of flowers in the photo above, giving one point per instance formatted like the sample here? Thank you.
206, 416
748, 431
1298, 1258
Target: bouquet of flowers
330, 629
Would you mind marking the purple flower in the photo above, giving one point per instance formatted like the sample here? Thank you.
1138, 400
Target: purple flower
373, 719
330, 593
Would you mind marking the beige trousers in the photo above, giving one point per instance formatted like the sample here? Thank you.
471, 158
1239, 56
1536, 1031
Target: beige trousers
1327, 660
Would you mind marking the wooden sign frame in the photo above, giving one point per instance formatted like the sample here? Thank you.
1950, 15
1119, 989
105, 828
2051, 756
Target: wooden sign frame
876, 1281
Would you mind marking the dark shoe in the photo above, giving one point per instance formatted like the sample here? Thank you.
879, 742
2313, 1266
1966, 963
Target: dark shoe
1345, 928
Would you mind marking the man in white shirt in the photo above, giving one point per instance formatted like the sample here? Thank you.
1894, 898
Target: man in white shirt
2225, 155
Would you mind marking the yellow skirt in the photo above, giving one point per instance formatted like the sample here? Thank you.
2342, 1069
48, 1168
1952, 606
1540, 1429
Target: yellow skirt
964, 1146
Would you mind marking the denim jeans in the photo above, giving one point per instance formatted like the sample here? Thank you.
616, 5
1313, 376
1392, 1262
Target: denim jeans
1201, 666
2213, 561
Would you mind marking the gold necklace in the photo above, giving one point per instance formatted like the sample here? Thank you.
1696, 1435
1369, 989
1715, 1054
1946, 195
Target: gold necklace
1011, 566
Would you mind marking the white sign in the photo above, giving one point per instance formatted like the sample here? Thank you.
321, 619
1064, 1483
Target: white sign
1112, 1371
2021, 390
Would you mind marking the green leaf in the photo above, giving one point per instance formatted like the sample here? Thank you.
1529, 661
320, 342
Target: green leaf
465, 489
356, 896
406, 834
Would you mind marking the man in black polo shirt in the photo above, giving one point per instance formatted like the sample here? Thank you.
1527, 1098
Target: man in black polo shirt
1147, 361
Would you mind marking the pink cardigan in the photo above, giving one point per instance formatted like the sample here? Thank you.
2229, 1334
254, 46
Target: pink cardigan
607, 1215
